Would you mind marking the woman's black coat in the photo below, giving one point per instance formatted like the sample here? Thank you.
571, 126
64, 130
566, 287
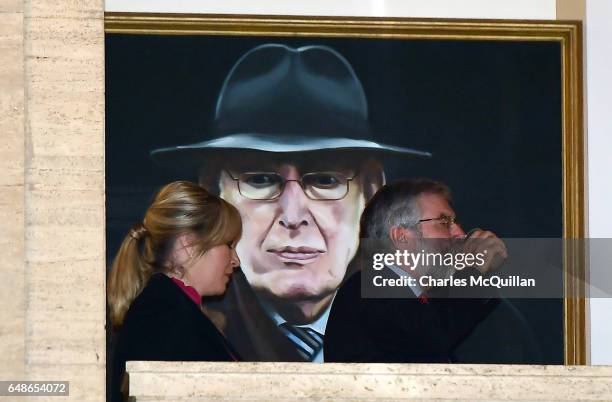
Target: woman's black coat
164, 324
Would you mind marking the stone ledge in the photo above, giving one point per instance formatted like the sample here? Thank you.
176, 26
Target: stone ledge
195, 381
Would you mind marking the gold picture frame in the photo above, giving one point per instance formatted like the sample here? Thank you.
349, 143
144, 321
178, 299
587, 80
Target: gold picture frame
567, 34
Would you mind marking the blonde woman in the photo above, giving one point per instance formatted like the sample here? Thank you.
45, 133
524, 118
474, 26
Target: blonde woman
183, 250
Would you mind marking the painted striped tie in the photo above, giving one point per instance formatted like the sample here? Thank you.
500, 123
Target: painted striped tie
308, 342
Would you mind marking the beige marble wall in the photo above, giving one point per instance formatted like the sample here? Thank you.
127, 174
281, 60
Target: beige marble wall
52, 194
64, 220
12, 279
266, 382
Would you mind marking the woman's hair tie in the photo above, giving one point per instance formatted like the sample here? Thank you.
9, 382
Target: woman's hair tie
138, 231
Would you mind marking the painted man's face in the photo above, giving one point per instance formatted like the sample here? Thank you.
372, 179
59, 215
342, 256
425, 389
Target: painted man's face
293, 246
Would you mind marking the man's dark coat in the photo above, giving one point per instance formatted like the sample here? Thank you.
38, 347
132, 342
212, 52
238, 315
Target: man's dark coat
397, 330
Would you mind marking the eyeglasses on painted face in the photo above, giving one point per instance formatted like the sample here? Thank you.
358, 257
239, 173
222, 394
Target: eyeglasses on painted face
265, 186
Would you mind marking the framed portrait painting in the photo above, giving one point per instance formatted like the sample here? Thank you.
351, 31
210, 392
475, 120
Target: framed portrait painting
268, 111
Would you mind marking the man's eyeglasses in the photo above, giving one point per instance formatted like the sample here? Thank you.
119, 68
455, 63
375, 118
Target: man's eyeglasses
447, 221
262, 186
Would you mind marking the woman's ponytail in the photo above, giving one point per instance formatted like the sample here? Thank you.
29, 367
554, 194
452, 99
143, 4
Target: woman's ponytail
129, 274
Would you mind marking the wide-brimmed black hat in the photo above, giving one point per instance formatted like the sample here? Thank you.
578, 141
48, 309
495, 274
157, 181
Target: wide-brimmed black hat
278, 99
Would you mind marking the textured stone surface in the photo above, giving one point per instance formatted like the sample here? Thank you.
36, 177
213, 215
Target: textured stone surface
57, 9
11, 6
64, 200
86, 383
293, 381
12, 243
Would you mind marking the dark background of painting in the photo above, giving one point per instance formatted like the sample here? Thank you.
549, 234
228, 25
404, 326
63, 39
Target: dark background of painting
489, 111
